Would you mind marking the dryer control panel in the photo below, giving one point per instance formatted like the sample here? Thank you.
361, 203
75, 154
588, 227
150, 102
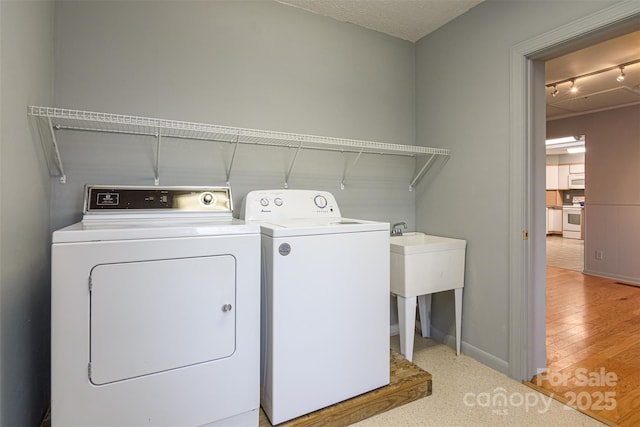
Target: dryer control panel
263, 205
108, 199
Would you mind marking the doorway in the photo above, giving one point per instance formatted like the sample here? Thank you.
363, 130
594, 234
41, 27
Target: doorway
587, 317
527, 350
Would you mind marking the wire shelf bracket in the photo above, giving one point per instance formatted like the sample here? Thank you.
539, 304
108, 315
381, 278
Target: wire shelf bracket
349, 169
156, 178
291, 165
233, 156
54, 141
420, 173
160, 129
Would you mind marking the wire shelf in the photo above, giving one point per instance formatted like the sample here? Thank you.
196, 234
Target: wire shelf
68, 119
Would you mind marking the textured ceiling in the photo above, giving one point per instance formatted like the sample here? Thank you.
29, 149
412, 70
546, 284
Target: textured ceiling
405, 19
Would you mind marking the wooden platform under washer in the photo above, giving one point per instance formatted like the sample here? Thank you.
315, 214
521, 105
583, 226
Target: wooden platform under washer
408, 383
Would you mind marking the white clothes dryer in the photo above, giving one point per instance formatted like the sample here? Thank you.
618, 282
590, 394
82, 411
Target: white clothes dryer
325, 302
155, 311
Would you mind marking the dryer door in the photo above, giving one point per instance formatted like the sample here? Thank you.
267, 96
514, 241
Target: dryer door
154, 316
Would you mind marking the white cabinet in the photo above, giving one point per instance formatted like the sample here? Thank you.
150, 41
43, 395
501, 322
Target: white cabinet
563, 177
558, 175
576, 168
554, 221
552, 177
547, 219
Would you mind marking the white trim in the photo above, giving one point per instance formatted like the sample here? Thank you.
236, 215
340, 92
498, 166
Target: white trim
518, 279
625, 280
476, 353
521, 208
596, 110
394, 329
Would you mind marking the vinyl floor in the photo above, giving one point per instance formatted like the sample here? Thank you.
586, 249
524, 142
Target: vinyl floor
565, 253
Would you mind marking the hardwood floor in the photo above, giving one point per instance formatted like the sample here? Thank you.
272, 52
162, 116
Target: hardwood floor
593, 345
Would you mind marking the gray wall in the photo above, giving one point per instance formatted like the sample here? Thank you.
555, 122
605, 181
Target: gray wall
462, 81
26, 55
612, 190
251, 64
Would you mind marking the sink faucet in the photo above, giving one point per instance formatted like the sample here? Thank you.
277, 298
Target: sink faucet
396, 230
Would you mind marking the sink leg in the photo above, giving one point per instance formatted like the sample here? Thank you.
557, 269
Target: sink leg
458, 296
407, 322
424, 304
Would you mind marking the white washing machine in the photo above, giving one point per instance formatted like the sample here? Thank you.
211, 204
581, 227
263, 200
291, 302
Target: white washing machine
325, 302
155, 306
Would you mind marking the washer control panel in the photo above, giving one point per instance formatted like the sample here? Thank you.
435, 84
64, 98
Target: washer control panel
108, 199
289, 204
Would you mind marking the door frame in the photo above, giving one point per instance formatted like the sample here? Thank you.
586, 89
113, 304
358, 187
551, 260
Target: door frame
527, 263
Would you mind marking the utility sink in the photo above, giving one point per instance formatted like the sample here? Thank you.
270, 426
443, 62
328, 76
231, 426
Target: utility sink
424, 264
421, 265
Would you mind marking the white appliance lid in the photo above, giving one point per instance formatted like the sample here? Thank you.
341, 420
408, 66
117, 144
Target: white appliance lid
88, 231
130, 212
309, 227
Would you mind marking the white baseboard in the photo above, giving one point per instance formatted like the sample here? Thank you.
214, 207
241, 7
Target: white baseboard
480, 355
624, 279
394, 329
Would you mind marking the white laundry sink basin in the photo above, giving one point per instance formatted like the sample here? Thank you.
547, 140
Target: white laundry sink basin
424, 264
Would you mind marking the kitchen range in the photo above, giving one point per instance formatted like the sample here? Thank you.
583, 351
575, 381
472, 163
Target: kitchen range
565, 196
573, 219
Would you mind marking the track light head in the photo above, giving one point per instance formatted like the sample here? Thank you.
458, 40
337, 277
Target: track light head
573, 88
622, 75
554, 92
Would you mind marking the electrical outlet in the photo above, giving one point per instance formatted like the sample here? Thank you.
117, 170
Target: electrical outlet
599, 255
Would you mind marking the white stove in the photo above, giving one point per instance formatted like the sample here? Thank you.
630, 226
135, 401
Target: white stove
573, 219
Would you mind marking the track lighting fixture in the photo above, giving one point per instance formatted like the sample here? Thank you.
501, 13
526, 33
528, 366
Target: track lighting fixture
574, 89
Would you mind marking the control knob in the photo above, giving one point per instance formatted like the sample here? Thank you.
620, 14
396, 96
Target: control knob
208, 198
320, 201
